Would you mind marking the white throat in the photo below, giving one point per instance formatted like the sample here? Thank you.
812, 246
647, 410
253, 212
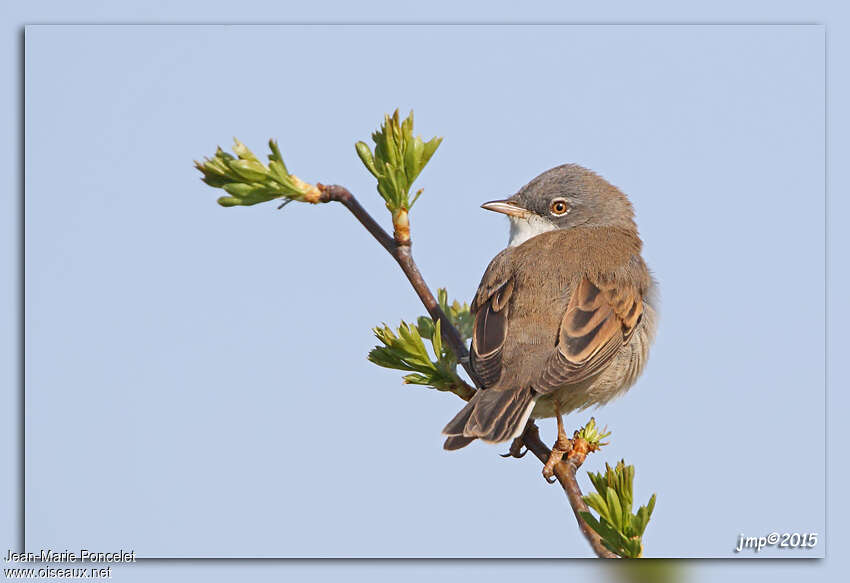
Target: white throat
524, 229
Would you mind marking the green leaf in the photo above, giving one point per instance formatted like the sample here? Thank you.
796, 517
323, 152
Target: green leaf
250, 170
215, 181
590, 520
214, 166
414, 342
425, 325
275, 156
416, 197
418, 379
604, 529
241, 189
437, 340
410, 162
442, 297
429, 149
640, 521
458, 314
219, 153
598, 503
614, 509
385, 357
242, 151
278, 172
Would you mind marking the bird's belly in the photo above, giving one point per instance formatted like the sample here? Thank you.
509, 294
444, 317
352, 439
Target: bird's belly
594, 391
570, 398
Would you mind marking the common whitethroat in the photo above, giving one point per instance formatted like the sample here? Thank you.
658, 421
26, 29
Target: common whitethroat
564, 316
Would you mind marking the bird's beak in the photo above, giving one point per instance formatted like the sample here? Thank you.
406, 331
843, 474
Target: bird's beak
506, 207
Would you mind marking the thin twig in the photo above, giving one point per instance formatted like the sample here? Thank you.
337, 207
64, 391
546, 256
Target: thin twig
402, 255
565, 471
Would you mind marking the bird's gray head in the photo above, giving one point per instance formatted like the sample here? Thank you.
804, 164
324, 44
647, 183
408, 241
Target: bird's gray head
564, 197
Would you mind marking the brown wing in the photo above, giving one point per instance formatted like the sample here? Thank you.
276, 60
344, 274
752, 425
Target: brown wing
489, 333
490, 307
599, 319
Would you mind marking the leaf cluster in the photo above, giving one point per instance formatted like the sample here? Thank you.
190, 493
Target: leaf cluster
397, 160
404, 348
620, 529
457, 313
593, 435
248, 181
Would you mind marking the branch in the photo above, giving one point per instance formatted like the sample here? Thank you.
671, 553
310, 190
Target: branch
401, 253
565, 471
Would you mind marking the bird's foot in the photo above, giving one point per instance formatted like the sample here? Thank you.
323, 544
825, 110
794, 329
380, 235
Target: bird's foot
516, 449
563, 445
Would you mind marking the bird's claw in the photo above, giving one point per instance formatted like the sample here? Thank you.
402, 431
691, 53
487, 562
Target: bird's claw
549, 466
555, 456
516, 449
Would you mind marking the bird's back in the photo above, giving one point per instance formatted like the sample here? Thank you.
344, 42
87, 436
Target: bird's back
540, 291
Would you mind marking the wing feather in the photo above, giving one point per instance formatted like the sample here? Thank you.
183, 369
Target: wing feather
600, 317
489, 333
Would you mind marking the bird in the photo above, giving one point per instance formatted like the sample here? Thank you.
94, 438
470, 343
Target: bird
564, 316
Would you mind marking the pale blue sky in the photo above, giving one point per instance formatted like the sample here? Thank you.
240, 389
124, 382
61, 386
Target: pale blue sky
193, 334
208, 342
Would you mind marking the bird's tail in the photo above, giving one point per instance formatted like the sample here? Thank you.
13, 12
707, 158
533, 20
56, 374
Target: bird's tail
492, 415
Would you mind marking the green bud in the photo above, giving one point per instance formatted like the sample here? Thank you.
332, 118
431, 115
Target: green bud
228, 201
398, 159
365, 155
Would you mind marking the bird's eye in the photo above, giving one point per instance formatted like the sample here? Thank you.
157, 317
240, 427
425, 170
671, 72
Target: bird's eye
559, 207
